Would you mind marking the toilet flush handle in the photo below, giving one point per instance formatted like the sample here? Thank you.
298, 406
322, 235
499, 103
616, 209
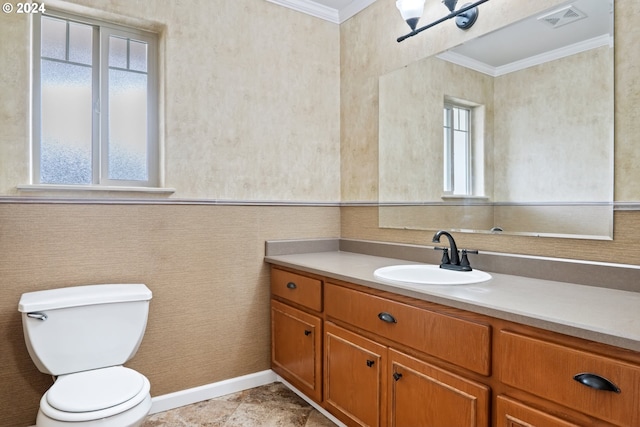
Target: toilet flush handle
37, 315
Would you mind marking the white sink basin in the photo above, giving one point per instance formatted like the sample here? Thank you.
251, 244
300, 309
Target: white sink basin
426, 274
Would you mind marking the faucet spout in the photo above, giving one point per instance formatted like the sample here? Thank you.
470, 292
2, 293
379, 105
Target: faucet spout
455, 258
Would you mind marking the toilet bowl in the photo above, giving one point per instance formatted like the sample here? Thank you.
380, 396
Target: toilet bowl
82, 336
114, 396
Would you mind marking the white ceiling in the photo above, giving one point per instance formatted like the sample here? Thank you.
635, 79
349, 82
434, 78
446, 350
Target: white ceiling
506, 50
336, 11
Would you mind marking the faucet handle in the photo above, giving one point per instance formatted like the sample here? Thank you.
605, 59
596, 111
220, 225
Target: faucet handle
464, 260
445, 254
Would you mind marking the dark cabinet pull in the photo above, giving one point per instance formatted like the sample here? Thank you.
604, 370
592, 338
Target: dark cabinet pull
596, 381
386, 317
307, 332
291, 285
397, 376
370, 363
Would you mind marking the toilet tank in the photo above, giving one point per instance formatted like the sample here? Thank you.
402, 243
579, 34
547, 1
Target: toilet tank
84, 327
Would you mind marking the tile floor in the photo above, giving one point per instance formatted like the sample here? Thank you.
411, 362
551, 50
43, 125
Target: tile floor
271, 405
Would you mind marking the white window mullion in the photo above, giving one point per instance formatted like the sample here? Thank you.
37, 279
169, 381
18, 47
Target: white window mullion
36, 105
103, 144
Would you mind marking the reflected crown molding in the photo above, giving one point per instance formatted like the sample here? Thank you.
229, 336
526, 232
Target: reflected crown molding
552, 55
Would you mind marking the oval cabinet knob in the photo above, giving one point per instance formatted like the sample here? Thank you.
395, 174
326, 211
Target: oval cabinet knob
291, 285
397, 376
597, 382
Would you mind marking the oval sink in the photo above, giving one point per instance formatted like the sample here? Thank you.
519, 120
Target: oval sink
426, 274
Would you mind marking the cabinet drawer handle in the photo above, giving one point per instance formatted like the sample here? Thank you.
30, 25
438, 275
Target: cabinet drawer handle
370, 363
596, 381
291, 285
307, 332
386, 317
397, 376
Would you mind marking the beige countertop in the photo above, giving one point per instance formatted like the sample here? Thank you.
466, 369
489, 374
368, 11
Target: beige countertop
603, 315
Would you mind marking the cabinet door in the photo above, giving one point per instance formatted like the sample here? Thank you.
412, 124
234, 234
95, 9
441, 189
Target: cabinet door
511, 413
296, 348
355, 372
423, 395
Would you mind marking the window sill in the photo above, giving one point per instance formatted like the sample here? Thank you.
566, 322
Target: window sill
59, 187
461, 197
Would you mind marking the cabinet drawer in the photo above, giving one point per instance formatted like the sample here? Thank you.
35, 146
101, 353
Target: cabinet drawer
461, 342
547, 370
511, 413
297, 288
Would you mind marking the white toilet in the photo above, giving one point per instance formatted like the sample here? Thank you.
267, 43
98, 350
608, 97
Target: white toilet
83, 335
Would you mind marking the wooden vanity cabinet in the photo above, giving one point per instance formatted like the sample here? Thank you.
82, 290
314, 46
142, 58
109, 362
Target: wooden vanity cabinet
600, 386
372, 358
413, 392
296, 331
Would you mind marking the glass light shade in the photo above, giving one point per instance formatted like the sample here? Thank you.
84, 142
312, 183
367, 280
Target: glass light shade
411, 11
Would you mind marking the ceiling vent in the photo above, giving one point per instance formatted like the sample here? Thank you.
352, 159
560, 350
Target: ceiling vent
564, 16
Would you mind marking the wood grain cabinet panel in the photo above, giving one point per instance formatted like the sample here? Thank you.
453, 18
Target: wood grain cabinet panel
296, 348
421, 394
458, 341
296, 288
355, 377
511, 413
547, 370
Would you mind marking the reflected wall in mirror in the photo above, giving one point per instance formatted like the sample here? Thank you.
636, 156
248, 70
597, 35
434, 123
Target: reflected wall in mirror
538, 159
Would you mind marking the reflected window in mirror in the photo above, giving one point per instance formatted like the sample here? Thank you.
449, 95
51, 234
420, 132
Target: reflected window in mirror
457, 149
462, 137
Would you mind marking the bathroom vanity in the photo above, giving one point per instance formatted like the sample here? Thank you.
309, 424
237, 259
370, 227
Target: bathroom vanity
509, 352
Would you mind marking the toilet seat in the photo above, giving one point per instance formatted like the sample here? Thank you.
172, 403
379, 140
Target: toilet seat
94, 394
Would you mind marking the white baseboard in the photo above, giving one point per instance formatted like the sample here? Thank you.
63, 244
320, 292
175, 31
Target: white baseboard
189, 396
210, 391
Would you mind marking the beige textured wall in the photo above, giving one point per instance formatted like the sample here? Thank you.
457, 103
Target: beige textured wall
209, 316
369, 50
251, 91
555, 123
251, 112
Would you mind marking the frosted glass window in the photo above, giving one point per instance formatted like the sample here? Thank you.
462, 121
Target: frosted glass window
137, 56
66, 123
118, 52
127, 125
54, 38
95, 104
80, 43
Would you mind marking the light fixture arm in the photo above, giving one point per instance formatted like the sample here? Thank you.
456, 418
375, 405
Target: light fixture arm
453, 14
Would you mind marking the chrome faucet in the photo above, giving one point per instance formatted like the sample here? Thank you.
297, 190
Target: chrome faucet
455, 262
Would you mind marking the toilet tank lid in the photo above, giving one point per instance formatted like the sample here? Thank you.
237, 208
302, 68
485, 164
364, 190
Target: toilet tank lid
82, 295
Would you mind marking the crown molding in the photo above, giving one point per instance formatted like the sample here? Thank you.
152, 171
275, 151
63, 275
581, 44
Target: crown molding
337, 16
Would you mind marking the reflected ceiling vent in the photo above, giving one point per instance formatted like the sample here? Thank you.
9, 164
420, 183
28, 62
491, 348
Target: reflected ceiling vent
564, 16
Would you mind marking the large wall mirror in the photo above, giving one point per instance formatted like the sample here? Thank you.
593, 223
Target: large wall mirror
511, 132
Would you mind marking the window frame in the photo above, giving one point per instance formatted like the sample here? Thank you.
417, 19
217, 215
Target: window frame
102, 30
449, 159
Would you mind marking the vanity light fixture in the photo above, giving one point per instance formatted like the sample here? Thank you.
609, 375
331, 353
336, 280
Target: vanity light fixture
411, 11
